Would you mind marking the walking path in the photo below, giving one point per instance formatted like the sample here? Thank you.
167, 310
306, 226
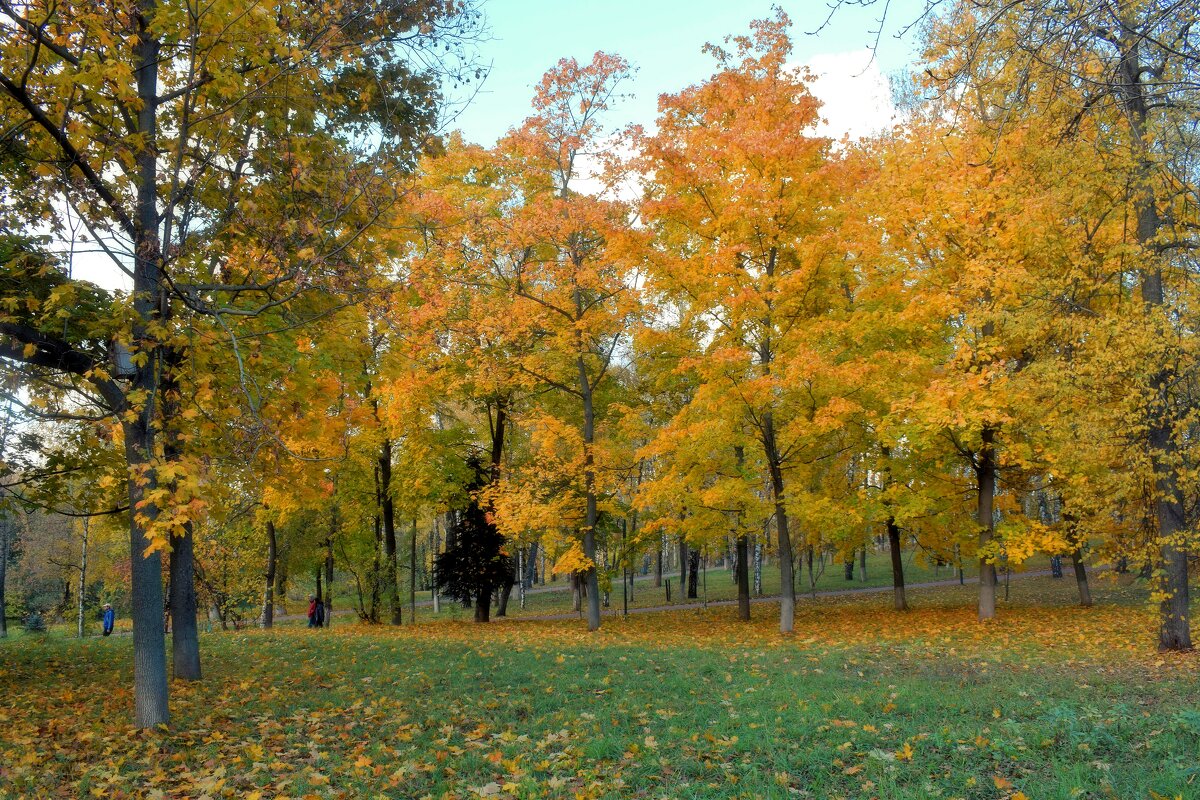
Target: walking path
609, 612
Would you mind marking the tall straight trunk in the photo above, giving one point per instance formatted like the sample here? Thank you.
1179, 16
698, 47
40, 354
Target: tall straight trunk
898, 597
268, 612
591, 516
1174, 614
150, 692
758, 588
985, 474
1081, 578
82, 577
743, 577
576, 594
388, 515
693, 573
412, 574
862, 564
376, 573
5, 536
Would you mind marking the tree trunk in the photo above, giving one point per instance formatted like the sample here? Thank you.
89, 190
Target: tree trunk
1081, 578
862, 564
900, 602
591, 513
849, 566
388, 513
985, 474
82, 578
658, 565
1174, 614
281, 582
318, 573
787, 584
5, 536
743, 577
483, 606
268, 612
412, 575
693, 573
185, 637
329, 583
683, 565
576, 593
531, 566
150, 693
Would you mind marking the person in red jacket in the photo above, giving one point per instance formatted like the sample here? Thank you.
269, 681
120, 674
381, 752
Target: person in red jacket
312, 611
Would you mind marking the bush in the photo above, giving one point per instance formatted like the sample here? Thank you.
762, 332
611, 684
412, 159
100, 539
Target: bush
34, 623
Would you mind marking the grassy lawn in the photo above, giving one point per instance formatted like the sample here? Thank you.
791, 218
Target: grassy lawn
1049, 701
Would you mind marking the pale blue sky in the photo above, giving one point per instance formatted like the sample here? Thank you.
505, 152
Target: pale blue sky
662, 38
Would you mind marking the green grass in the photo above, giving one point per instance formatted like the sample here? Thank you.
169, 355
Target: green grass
861, 702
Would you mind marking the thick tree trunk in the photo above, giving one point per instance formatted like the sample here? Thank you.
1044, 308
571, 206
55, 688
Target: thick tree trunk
483, 606
576, 592
185, 637
683, 565
268, 612
151, 706
743, 577
900, 602
1081, 578
146, 594
985, 474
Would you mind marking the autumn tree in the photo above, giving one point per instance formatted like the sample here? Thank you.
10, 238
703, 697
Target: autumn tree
744, 203
225, 161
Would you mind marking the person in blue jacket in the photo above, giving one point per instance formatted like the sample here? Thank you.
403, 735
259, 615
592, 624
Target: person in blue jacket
109, 619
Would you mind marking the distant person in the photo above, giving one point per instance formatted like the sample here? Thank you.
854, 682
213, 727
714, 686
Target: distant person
109, 618
312, 611
320, 613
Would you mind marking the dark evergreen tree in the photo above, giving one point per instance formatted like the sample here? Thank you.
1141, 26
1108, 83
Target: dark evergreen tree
474, 563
